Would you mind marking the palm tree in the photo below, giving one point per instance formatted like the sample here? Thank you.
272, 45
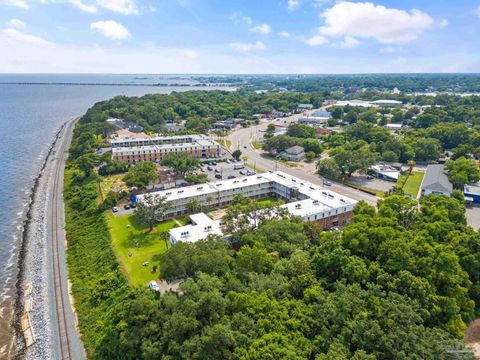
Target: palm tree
193, 206
209, 200
165, 237
411, 164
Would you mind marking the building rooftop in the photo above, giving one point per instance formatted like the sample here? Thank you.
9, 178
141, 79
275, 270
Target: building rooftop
386, 170
380, 102
295, 150
436, 179
473, 189
201, 227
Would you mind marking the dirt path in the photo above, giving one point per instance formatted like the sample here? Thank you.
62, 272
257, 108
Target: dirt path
472, 337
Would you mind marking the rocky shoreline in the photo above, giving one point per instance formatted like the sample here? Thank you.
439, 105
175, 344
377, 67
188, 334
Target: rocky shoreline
33, 263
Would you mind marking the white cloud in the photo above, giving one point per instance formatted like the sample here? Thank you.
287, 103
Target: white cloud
247, 47
387, 50
111, 29
187, 53
285, 34
367, 20
17, 24
82, 6
239, 18
23, 37
17, 3
316, 40
320, 3
292, 5
125, 7
263, 29
349, 42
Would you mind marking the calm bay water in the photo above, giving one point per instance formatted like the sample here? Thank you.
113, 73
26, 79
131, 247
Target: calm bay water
30, 116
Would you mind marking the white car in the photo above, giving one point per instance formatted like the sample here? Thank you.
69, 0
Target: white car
153, 285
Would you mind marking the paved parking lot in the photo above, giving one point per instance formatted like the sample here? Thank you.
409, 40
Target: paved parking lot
473, 216
374, 183
223, 170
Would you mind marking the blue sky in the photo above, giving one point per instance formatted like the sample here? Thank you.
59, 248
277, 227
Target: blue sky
239, 36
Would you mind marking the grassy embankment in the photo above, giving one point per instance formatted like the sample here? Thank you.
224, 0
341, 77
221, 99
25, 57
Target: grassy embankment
131, 237
98, 285
411, 184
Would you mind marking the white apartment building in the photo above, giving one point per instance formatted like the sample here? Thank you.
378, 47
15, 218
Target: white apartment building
309, 201
133, 150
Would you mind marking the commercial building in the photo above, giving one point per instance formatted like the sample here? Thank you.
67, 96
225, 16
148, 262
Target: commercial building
472, 193
436, 181
394, 127
384, 171
313, 120
156, 148
309, 201
387, 103
363, 103
294, 153
302, 107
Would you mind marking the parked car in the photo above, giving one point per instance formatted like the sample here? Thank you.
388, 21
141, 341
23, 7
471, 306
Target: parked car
115, 209
209, 168
231, 176
242, 172
244, 146
251, 172
133, 205
214, 163
218, 171
153, 285
126, 206
218, 176
327, 183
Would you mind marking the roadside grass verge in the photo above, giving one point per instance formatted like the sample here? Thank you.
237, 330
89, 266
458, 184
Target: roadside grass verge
363, 188
257, 145
256, 168
411, 184
131, 237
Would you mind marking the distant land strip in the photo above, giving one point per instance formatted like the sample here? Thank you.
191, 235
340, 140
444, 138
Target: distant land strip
97, 84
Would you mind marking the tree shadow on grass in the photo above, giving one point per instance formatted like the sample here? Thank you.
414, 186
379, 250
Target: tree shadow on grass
140, 240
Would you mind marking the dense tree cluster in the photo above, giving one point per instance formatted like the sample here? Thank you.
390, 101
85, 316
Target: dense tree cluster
397, 283
200, 108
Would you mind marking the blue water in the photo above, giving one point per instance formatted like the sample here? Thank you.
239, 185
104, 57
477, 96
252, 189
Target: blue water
30, 116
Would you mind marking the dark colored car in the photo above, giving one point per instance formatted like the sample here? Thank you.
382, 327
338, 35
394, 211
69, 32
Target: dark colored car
126, 206
218, 176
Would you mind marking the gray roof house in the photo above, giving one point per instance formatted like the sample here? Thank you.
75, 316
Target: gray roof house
436, 181
295, 153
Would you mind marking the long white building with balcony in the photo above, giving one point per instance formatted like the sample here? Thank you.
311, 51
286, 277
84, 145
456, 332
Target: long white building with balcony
310, 202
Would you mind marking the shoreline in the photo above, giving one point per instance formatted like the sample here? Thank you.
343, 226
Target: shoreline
17, 344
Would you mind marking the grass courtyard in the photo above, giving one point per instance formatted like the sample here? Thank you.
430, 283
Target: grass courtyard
411, 185
131, 237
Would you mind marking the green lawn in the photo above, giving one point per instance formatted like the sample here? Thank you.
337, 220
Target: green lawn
257, 145
412, 185
142, 245
253, 167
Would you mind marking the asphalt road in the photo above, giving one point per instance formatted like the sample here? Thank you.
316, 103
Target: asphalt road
65, 335
242, 139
